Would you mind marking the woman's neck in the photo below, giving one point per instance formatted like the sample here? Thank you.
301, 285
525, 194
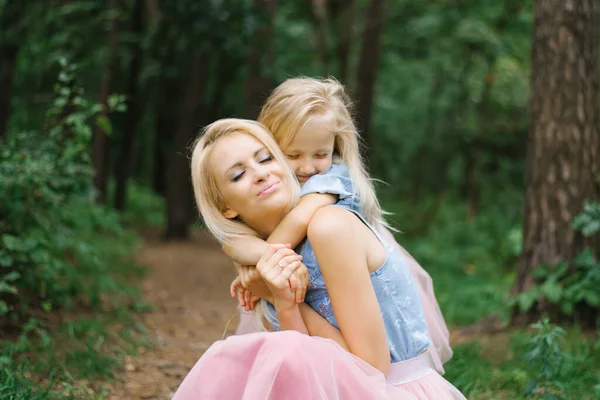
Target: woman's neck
265, 224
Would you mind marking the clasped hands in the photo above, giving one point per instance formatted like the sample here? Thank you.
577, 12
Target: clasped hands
279, 276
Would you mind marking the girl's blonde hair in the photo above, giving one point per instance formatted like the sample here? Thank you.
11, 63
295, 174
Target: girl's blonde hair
208, 199
295, 102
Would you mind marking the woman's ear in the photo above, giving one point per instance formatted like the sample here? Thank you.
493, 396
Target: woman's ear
230, 214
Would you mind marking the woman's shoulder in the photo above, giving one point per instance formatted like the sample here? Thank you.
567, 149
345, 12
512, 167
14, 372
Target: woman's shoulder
331, 222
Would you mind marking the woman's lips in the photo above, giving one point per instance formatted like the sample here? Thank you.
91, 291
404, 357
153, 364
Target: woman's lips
270, 188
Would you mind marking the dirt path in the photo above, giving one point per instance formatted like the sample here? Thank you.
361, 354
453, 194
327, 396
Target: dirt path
188, 286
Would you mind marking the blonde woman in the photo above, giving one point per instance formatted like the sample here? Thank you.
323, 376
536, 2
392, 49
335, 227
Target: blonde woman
373, 322
312, 123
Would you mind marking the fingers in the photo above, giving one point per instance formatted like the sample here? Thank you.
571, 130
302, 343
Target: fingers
294, 282
266, 267
289, 269
240, 295
247, 296
253, 300
234, 284
300, 293
272, 249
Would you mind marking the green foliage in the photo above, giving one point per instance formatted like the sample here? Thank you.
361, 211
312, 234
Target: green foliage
564, 285
468, 258
59, 250
547, 359
144, 207
588, 222
47, 251
543, 363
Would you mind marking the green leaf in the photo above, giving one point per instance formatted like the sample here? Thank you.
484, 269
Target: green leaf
5, 259
552, 290
3, 307
567, 307
11, 242
591, 228
104, 123
11, 276
592, 298
585, 259
47, 305
526, 300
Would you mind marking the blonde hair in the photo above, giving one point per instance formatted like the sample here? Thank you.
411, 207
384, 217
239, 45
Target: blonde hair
295, 102
210, 202
208, 199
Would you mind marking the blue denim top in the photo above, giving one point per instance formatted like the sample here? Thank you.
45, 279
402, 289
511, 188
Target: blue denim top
397, 294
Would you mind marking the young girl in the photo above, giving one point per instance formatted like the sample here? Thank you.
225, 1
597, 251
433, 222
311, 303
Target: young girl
311, 121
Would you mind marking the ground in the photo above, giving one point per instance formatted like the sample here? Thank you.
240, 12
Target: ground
188, 286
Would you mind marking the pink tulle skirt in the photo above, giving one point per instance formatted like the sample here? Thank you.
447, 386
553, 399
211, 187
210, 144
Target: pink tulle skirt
289, 365
440, 350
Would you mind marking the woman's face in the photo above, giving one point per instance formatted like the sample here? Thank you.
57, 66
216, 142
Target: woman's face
251, 182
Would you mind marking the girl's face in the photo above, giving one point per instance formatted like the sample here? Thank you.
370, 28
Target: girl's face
311, 150
250, 181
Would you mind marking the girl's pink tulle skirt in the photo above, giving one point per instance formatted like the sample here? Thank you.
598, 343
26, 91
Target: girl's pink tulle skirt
289, 365
440, 350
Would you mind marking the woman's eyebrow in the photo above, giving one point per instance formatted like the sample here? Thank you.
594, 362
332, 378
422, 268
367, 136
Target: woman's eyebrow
239, 163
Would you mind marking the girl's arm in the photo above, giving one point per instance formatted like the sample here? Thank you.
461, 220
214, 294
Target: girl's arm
319, 326
247, 250
340, 243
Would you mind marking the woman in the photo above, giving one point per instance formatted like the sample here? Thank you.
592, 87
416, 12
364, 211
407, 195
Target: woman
242, 184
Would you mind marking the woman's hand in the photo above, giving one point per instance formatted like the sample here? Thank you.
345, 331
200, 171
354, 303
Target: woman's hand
276, 266
299, 282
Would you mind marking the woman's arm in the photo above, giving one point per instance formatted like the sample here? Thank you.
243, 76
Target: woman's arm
341, 243
247, 250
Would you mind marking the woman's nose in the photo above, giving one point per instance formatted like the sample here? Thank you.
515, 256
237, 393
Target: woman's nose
261, 173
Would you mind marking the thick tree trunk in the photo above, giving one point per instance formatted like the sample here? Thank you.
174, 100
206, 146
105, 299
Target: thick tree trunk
367, 70
100, 152
562, 148
260, 54
179, 193
134, 110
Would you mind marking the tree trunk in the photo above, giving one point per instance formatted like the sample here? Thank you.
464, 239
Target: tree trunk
318, 16
100, 150
10, 20
179, 193
562, 149
8, 54
134, 109
260, 54
346, 22
367, 70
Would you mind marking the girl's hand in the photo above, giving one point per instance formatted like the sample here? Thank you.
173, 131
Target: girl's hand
251, 280
244, 296
276, 266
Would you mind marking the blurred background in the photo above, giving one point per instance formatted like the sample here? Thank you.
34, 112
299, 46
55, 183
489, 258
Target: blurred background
100, 100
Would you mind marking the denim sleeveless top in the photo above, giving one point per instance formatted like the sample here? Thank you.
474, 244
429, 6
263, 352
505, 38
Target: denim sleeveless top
397, 294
